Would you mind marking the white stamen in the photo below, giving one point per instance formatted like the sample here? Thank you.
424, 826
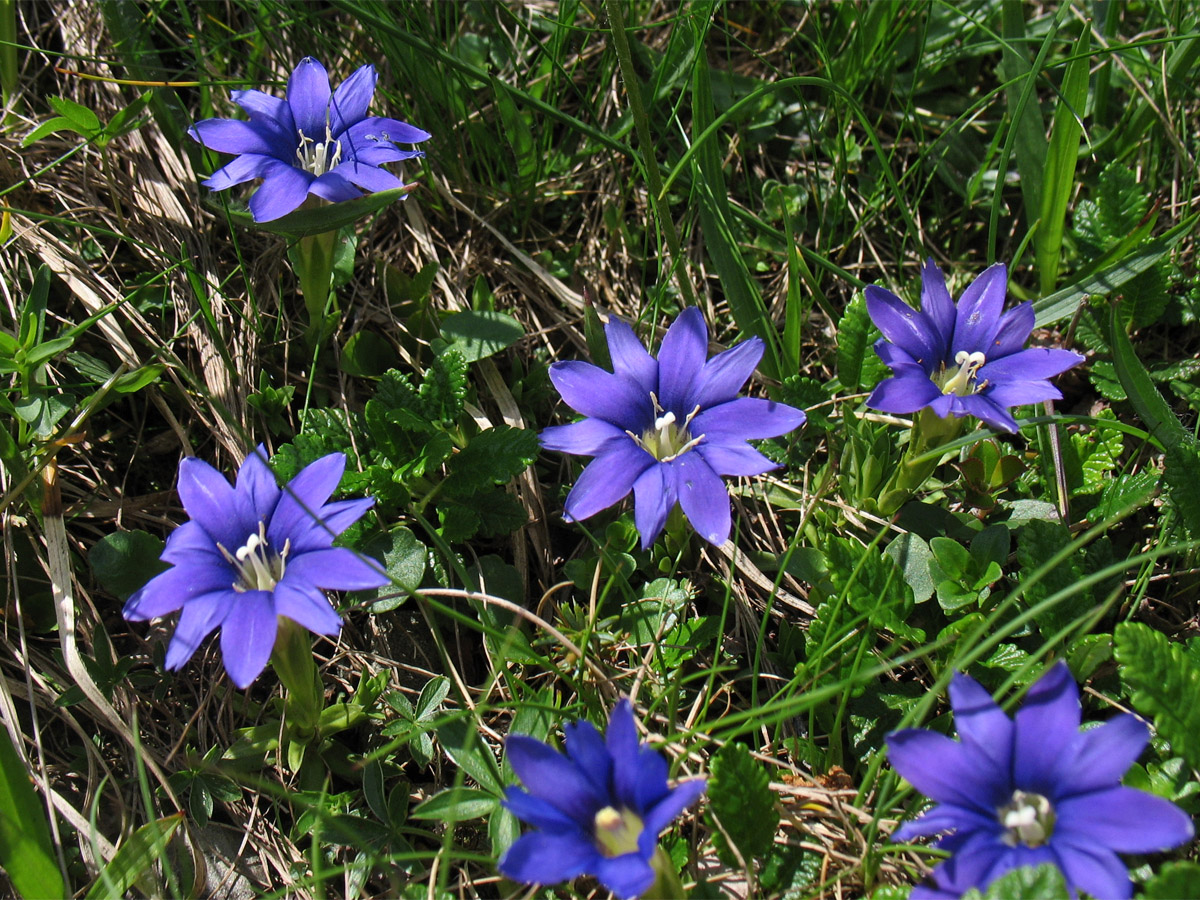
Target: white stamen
318, 158
258, 567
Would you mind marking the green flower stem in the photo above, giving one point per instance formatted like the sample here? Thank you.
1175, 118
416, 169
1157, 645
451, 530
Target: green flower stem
8, 57
293, 661
314, 268
929, 431
667, 884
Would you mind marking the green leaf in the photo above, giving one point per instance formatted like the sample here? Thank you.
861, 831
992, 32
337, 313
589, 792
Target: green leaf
1175, 881
1097, 452
721, 242
456, 804
1163, 680
1037, 541
434, 693
26, 851
500, 513
462, 743
493, 457
1045, 882
125, 560
445, 386
321, 219
853, 334
741, 800
83, 118
136, 856
1182, 450
872, 584
367, 355
404, 560
1062, 304
1124, 493
1058, 181
49, 127
912, 554
477, 334
1145, 298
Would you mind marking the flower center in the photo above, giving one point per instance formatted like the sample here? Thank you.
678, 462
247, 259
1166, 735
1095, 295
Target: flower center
667, 438
961, 379
318, 157
1028, 820
259, 568
617, 831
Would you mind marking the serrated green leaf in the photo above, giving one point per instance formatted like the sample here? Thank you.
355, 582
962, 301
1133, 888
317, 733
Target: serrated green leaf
457, 523
1176, 881
1063, 304
1182, 463
444, 387
500, 513
478, 334
741, 800
1163, 681
1045, 882
1123, 493
853, 335
493, 457
1097, 453
873, 585
1037, 541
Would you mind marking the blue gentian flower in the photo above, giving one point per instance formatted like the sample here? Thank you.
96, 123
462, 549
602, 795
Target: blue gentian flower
1033, 789
316, 142
598, 810
250, 554
665, 428
964, 360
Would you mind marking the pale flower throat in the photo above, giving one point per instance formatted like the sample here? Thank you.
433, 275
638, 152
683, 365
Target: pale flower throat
961, 379
318, 158
667, 438
617, 831
259, 568
1028, 819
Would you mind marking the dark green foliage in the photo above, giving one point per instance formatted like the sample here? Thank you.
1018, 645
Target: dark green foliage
1037, 542
1176, 881
742, 805
854, 345
1163, 679
1045, 882
125, 560
492, 457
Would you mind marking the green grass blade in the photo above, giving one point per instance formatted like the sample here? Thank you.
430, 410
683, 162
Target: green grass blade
137, 855
1062, 304
1029, 138
26, 851
1058, 181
